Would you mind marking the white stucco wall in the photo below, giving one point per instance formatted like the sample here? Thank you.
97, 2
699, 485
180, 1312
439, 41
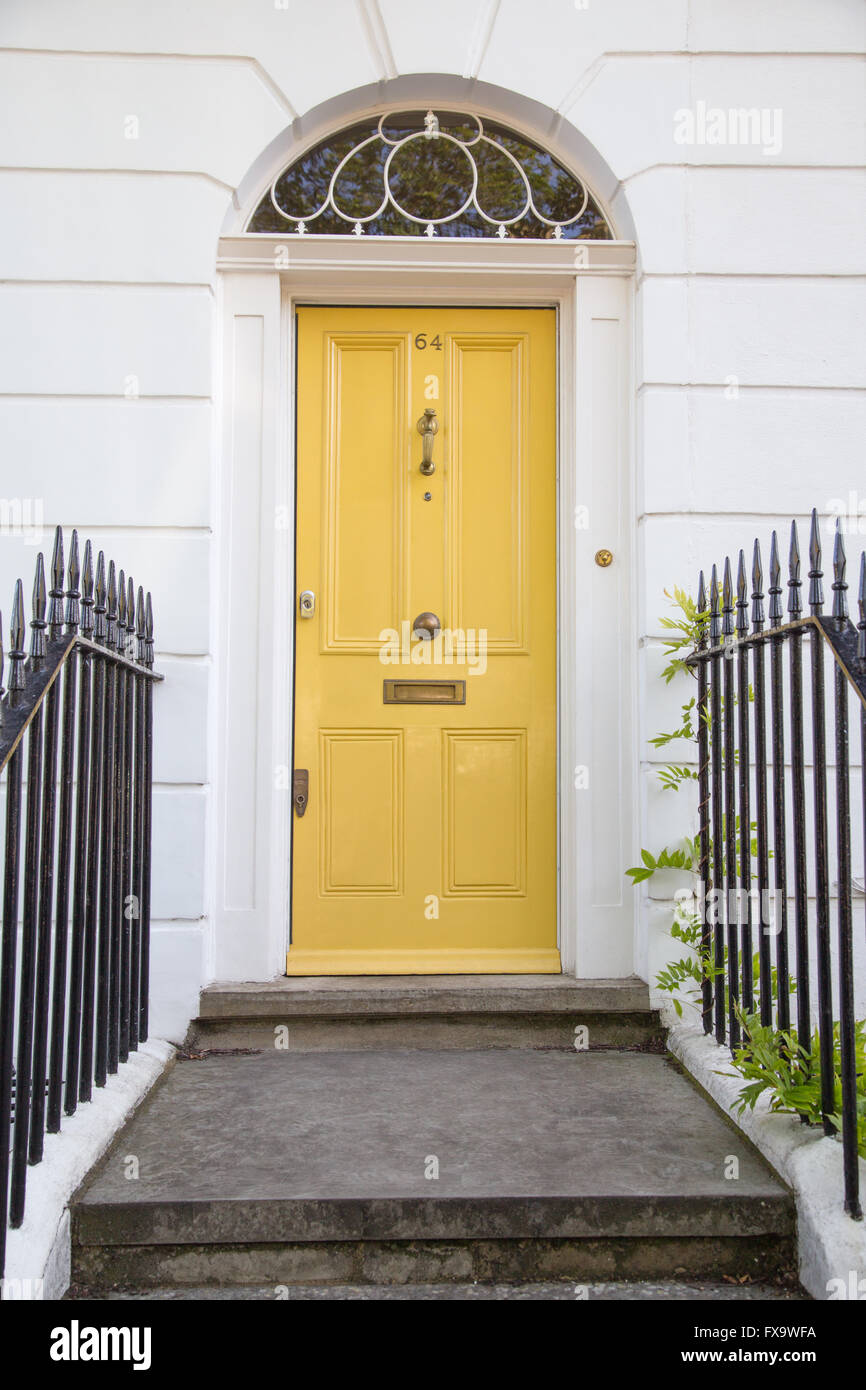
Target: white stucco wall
126, 128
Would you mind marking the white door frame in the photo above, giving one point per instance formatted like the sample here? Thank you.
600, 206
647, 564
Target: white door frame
261, 280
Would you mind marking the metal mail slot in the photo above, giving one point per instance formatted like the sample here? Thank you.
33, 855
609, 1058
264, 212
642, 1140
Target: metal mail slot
396, 692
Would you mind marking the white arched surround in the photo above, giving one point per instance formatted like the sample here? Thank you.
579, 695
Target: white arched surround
261, 279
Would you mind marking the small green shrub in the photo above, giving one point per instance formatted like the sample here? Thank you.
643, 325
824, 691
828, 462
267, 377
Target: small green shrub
776, 1063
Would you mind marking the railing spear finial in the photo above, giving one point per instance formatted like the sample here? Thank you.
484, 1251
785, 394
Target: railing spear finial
795, 598
774, 588
757, 589
120, 631
16, 637
139, 626
148, 631
112, 605
861, 604
73, 593
130, 618
840, 588
37, 622
100, 626
87, 600
702, 608
55, 593
742, 598
715, 620
727, 600
816, 588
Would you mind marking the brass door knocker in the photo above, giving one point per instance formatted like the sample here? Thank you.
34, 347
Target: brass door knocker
428, 427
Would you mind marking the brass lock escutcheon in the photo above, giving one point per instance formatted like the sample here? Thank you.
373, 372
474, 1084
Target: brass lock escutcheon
300, 790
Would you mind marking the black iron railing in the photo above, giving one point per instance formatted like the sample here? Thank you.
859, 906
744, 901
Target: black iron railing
75, 762
765, 847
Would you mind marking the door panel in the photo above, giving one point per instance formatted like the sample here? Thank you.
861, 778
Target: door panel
487, 583
364, 490
429, 841
361, 853
484, 768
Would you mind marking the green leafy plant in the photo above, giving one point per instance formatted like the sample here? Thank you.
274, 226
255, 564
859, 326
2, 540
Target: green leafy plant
689, 629
685, 976
774, 1062
685, 629
685, 859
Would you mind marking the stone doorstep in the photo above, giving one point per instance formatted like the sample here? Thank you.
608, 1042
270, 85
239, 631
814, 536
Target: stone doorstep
435, 1031
378, 996
440, 1012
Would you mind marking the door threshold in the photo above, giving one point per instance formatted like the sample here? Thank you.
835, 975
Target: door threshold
534, 961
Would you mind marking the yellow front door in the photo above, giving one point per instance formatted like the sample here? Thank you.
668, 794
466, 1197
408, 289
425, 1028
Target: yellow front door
428, 839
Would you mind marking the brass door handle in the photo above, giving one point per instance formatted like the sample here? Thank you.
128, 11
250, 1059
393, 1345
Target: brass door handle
428, 427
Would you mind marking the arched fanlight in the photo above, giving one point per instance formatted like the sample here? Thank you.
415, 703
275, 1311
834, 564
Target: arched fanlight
417, 173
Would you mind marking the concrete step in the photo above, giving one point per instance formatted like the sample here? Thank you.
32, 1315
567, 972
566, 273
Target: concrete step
426, 1168
445, 1011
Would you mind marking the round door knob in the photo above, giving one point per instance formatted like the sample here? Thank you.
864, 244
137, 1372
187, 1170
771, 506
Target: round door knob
603, 558
426, 626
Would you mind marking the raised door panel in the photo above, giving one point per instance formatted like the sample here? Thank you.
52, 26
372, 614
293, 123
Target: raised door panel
364, 490
484, 802
487, 533
361, 788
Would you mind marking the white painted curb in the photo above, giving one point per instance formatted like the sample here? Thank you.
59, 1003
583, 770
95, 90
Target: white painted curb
831, 1247
40, 1250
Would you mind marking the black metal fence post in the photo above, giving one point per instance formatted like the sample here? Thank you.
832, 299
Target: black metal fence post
764, 925
12, 864
704, 868
85, 774
64, 837
716, 774
145, 843
847, 1054
27, 978
780, 875
745, 877
798, 791
822, 871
